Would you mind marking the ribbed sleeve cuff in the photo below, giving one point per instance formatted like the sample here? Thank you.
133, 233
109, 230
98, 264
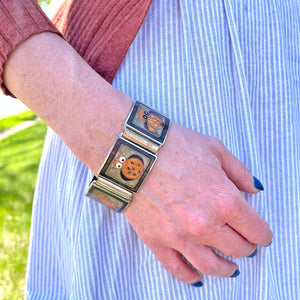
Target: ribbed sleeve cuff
19, 19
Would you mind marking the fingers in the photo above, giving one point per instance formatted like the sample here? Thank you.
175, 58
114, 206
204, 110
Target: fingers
194, 213
186, 267
204, 259
247, 222
231, 243
238, 213
175, 264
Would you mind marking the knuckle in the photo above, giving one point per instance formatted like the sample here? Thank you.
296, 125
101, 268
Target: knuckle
229, 204
198, 227
216, 145
191, 223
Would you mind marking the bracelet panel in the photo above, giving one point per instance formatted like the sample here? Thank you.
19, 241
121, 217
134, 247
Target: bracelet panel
127, 165
107, 197
148, 123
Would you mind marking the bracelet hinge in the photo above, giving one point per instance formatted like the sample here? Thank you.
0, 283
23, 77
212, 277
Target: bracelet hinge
141, 140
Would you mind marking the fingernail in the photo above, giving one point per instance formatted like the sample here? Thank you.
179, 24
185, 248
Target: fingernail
197, 284
269, 244
235, 274
258, 185
253, 254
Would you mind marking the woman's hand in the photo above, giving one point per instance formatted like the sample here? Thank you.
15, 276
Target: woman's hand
192, 202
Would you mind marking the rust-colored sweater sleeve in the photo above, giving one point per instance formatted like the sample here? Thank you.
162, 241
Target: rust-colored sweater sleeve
101, 31
19, 19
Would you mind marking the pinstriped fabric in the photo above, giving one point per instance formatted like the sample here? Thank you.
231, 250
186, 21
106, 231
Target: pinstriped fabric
225, 68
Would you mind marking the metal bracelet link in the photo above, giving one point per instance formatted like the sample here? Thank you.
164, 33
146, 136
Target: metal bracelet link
130, 159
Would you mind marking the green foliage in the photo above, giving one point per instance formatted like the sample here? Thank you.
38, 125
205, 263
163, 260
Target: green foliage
8, 122
19, 160
48, 2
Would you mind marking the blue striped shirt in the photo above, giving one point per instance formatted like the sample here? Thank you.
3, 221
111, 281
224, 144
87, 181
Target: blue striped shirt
225, 68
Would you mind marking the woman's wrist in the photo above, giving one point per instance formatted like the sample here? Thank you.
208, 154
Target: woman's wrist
131, 158
50, 77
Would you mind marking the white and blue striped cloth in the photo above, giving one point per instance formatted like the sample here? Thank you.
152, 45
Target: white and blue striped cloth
226, 68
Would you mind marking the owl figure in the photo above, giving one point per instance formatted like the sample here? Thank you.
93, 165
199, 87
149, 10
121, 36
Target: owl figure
131, 168
153, 122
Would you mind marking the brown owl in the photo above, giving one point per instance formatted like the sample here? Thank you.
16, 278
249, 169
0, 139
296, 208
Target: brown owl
131, 168
153, 122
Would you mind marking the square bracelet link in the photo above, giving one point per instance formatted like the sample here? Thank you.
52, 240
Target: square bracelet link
130, 159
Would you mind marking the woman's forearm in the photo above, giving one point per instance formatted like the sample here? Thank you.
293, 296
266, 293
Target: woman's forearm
191, 200
49, 76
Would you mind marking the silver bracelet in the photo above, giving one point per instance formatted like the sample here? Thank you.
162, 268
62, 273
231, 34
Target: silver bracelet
131, 158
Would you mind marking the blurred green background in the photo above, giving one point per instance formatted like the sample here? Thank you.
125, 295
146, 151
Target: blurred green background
19, 159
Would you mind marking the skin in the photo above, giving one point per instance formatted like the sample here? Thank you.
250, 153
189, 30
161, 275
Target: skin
185, 207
